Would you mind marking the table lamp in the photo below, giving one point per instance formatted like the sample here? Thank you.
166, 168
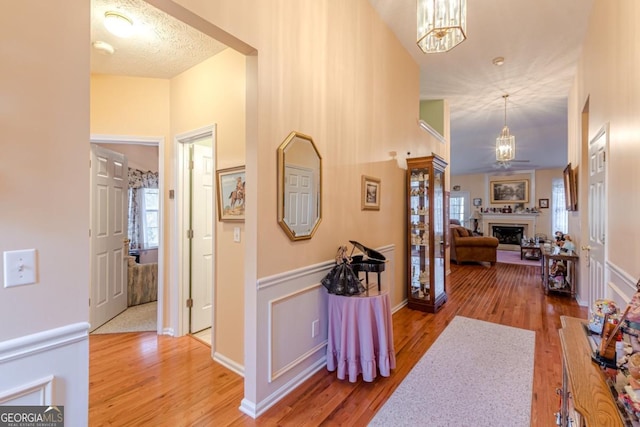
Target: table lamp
475, 216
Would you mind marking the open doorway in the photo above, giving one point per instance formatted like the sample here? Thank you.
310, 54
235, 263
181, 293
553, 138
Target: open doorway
196, 220
141, 256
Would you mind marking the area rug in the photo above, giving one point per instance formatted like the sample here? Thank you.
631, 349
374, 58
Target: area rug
138, 318
513, 257
476, 373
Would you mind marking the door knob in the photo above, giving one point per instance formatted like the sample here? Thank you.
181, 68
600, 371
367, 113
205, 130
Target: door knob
586, 248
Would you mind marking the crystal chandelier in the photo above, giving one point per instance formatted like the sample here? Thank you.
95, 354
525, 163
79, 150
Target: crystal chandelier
442, 24
505, 142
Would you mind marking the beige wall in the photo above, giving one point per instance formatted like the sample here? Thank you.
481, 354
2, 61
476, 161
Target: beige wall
214, 92
44, 178
352, 88
141, 157
606, 77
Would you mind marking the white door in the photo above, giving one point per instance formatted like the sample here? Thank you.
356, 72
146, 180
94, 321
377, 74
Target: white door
597, 203
202, 215
301, 202
108, 235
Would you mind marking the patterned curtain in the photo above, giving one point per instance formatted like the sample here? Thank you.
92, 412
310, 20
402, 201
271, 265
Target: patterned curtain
137, 180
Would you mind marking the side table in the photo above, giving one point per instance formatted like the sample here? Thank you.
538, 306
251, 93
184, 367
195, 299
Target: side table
530, 251
559, 271
360, 336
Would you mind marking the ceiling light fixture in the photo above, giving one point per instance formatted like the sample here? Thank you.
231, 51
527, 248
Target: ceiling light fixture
505, 142
103, 47
498, 61
118, 24
442, 24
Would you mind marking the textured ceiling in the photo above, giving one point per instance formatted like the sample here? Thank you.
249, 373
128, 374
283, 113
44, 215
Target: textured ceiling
540, 41
162, 47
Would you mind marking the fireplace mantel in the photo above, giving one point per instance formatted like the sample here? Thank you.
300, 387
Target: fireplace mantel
526, 220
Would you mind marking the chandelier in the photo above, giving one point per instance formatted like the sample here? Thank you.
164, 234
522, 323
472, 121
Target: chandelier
505, 142
442, 24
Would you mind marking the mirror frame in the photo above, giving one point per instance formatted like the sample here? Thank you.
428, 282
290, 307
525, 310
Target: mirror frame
291, 138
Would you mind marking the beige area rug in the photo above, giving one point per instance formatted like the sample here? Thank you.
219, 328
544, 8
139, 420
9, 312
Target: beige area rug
138, 318
475, 374
513, 257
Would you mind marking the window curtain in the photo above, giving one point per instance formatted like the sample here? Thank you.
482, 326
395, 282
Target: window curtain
137, 180
560, 216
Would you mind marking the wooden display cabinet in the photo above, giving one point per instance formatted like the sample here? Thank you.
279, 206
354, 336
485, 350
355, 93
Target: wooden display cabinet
427, 226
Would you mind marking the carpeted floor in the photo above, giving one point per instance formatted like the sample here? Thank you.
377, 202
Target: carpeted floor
475, 374
138, 318
513, 257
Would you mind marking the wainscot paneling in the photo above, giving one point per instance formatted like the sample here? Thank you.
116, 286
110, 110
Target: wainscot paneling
620, 285
48, 368
288, 305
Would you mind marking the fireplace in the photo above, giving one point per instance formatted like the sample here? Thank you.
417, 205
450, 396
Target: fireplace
508, 234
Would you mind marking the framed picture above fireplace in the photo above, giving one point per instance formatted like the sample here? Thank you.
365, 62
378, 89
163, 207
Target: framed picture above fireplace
516, 191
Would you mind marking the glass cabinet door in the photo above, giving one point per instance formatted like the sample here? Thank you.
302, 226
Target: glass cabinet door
439, 268
419, 232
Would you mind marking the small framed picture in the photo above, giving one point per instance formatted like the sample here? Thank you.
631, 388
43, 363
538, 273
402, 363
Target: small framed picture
370, 193
231, 194
544, 203
477, 201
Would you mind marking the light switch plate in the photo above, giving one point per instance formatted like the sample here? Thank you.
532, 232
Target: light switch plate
236, 234
20, 267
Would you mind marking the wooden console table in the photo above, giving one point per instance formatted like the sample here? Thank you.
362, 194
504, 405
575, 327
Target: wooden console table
591, 402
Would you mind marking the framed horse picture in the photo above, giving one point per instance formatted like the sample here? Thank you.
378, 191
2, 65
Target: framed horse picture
230, 184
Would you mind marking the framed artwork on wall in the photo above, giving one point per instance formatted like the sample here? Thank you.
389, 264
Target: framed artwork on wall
231, 192
543, 203
477, 201
516, 191
570, 188
370, 193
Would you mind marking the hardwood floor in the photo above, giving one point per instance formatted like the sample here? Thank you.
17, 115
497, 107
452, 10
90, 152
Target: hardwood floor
144, 379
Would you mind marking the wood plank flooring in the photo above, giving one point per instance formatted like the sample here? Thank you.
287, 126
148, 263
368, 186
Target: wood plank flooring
140, 379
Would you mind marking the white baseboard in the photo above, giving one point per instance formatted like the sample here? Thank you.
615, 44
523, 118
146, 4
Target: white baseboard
229, 364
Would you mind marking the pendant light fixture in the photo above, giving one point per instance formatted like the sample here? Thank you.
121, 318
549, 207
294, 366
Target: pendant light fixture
442, 24
505, 142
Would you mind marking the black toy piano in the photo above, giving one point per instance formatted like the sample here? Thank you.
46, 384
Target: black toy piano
370, 261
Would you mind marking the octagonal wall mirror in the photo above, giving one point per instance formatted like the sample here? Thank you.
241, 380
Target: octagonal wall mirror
299, 186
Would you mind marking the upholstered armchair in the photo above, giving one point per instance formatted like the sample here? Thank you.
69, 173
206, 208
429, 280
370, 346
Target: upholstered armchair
467, 247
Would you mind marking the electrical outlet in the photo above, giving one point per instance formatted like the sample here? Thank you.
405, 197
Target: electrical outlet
315, 328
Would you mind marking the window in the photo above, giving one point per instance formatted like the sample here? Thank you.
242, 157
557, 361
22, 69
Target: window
459, 206
559, 214
149, 217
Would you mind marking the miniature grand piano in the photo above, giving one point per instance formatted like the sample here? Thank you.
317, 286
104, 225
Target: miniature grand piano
371, 261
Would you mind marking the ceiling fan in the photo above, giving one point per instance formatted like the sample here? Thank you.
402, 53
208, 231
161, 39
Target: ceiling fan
506, 164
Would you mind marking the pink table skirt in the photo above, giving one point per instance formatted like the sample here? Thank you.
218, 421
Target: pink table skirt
360, 337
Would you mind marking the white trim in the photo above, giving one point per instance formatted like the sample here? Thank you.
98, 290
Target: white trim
280, 278
42, 388
39, 342
427, 127
229, 364
159, 142
179, 322
301, 358
151, 141
255, 411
